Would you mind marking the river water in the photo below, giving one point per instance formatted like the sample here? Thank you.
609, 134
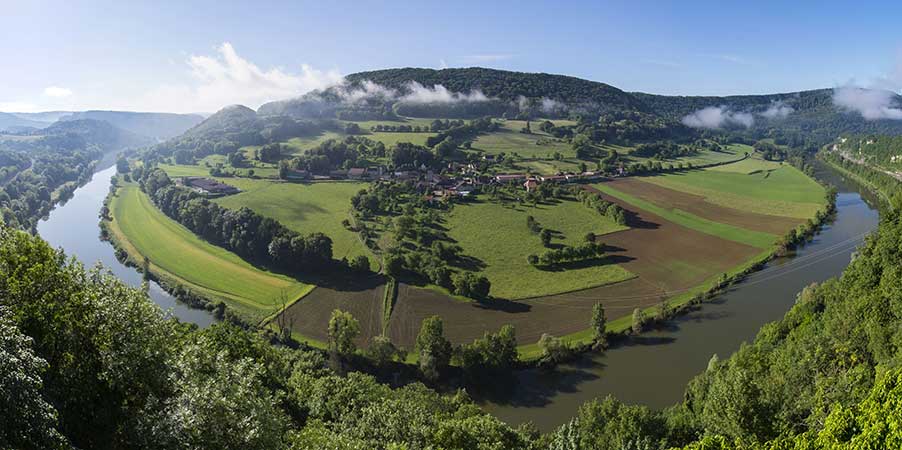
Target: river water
654, 368
75, 228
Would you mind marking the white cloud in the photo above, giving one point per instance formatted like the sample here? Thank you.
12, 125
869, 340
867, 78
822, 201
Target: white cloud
716, 117
366, 90
440, 94
57, 92
777, 110
878, 100
872, 104
226, 78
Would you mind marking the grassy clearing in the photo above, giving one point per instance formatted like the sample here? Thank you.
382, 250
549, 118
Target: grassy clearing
299, 145
784, 191
509, 140
176, 251
678, 216
304, 208
497, 236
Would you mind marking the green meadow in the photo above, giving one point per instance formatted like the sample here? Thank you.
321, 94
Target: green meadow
781, 191
688, 220
302, 207
175, 252
498, 237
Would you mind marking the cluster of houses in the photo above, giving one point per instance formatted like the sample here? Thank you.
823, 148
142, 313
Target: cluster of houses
207, 186
458, 179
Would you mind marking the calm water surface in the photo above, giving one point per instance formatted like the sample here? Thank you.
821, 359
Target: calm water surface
653, 369
75, 228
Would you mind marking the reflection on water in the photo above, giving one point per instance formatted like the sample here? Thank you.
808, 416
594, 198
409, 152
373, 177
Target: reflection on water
653, 369
74, 227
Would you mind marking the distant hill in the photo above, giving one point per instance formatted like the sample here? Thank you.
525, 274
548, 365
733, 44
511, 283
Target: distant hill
10, 121
96, 132
44, 116
154, 125
507, 85
231, 120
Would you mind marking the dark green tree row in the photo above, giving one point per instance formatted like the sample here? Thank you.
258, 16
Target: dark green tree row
242, 231
605, 208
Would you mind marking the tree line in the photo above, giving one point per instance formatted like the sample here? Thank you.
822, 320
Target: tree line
242, 231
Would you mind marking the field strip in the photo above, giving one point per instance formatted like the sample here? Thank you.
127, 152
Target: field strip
680, 217
177, 251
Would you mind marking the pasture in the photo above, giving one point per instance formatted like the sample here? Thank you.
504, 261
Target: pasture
508, 139
782, 191
303, 207
692, 221
499, 241
175, 252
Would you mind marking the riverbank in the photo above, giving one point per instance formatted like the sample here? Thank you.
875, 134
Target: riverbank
653, 368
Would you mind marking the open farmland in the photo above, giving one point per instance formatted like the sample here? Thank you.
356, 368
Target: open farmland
175, 252
302, 207
360, 296
499, 241
781, 191
508, 139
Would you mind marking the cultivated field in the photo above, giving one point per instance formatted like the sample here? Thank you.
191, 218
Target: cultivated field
361, 296
499, 240
305, 208
781, 191
175, 252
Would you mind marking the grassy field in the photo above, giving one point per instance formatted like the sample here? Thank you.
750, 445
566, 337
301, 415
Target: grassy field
782, 191
497, 236
509, 140
688, 220
179, 254
304, 208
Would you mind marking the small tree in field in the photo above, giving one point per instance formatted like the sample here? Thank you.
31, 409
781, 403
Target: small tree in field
433, 349
638, 320
599, 322
343, 329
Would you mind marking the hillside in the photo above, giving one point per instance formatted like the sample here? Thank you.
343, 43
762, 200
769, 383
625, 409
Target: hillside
10, 121
155, 125
95, 132
509, 86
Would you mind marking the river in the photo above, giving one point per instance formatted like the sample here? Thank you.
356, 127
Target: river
654, 368
74, 226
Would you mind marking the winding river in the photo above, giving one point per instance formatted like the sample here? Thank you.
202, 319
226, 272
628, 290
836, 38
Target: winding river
74, 226
651, 369
654, 368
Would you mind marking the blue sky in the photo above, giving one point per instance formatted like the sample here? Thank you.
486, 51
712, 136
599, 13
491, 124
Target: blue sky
171, 55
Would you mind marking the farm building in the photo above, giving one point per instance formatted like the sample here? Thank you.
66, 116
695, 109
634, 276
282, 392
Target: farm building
292, 174
208, 186
357, 173
510, 177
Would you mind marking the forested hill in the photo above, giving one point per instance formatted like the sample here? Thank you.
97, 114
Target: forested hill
96, 132
154, 125
11, 121
506, 85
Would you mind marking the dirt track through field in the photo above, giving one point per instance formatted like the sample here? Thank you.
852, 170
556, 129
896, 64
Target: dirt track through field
664, 256
696, 204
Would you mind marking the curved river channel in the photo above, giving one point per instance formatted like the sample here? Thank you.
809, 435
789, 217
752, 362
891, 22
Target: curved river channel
652, 369
75, 227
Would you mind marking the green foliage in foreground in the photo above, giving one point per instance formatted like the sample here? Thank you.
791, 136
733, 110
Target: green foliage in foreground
103, 367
